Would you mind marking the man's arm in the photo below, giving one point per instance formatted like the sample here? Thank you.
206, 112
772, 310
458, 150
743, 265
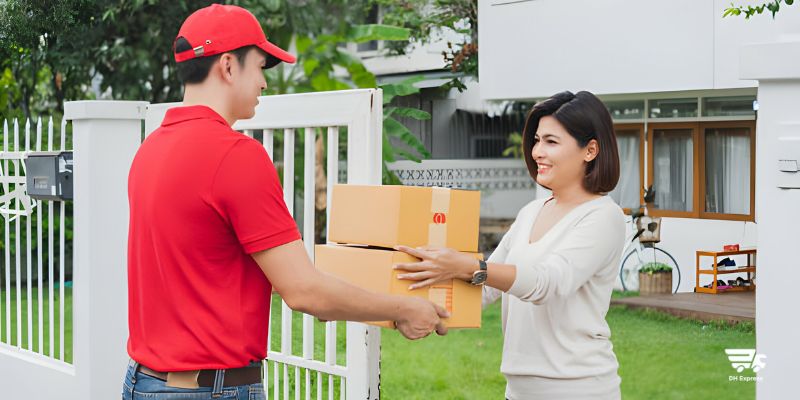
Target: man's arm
306, 289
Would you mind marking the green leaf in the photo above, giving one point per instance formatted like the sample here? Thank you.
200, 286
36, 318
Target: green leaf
309, 65
414, 113
389, 177
323, 83
387, 150
394, 128
271, 5
303, 43
361, 76
404, 88
407, 155
731, 11
366, 33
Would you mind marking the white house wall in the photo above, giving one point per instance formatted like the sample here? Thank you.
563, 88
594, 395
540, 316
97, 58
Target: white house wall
535, 48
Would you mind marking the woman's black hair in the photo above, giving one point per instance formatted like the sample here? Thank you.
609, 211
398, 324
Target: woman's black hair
585, 117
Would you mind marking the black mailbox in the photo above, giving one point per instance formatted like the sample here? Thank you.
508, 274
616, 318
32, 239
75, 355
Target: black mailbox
49, 175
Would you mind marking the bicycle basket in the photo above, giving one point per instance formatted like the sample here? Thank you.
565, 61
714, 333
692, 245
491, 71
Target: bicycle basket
652, 229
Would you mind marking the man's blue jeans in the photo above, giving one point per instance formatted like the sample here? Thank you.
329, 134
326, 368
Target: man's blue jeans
138, 386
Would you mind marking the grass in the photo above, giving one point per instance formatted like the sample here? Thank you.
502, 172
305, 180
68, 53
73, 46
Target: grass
661, 357
13, 340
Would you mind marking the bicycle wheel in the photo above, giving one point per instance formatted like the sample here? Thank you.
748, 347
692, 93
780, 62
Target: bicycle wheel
629, 268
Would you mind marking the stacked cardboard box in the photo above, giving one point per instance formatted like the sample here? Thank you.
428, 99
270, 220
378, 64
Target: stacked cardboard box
366, 222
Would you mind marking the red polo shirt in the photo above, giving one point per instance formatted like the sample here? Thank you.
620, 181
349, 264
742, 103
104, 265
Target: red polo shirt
203, 197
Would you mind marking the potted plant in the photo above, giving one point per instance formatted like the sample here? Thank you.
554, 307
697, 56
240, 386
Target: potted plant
655, 278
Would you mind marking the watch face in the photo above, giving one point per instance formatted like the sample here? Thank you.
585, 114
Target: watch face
479, 277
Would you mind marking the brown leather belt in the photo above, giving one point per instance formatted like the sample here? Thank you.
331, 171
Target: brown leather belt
233, 377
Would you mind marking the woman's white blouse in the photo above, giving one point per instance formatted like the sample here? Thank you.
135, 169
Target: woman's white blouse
554, 314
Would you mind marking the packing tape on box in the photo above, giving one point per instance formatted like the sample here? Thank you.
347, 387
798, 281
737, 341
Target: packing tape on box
440, 205
442, 296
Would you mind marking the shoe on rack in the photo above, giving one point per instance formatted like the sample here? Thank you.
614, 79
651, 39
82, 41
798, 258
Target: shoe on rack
726, 264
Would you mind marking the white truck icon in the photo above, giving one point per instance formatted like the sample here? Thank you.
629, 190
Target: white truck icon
742, 359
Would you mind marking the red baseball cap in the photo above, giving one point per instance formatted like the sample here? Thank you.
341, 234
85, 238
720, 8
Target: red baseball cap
220, 28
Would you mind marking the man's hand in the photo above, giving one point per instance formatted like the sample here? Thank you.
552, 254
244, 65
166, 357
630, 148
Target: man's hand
419, 317
306, 289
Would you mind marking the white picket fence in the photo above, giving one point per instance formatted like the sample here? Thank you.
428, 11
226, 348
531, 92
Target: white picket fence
26, 299
340, 363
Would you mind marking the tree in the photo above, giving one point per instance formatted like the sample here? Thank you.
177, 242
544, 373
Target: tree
127, 44
773, 7
44, 59
426, 18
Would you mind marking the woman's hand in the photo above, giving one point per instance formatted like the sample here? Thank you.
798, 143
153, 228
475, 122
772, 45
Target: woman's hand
437, 265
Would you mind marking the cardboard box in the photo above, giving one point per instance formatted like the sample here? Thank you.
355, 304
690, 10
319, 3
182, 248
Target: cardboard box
386, 216
371, 269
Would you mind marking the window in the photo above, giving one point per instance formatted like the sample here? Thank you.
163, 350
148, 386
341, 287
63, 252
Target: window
700, 165
728, 176
622, 110
672, 167
673, 108
628, 192
372, 17
731, 106
703, 170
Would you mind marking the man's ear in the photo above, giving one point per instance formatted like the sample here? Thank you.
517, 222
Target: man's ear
225, 63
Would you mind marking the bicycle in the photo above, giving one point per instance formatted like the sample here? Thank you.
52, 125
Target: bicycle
641, 249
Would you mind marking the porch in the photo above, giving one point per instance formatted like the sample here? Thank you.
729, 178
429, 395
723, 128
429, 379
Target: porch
730, 307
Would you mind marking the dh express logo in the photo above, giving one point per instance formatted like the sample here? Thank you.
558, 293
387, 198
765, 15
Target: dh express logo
742, 359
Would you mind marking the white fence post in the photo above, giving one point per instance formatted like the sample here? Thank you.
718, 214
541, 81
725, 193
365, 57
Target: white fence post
776, 66
364, 158
106, 136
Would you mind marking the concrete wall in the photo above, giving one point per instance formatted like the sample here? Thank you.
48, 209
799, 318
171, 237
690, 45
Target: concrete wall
537, 48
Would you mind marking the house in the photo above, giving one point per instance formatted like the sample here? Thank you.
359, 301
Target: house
705, 109
669, 74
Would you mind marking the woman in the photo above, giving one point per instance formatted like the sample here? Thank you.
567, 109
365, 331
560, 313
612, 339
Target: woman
555, 267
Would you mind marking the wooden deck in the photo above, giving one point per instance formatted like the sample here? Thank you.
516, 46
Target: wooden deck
734, 307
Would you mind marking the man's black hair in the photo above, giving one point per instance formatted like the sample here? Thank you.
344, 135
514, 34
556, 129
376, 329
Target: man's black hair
196, 70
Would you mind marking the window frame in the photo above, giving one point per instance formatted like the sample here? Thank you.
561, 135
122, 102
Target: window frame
694, 127
725, 216
698, 171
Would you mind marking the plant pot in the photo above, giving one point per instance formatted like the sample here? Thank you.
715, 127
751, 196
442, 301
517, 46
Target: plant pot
655, 283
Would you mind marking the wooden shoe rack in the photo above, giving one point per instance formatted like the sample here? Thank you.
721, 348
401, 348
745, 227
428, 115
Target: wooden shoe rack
750, 269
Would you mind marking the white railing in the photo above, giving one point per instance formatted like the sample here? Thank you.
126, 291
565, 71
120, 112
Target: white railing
30, 309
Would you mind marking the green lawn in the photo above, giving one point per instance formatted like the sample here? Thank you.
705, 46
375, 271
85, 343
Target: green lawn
661, 357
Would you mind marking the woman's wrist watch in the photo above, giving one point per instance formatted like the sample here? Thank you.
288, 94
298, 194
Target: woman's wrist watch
479, 276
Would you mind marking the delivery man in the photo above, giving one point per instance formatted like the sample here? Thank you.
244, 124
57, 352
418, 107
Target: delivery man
210, 235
